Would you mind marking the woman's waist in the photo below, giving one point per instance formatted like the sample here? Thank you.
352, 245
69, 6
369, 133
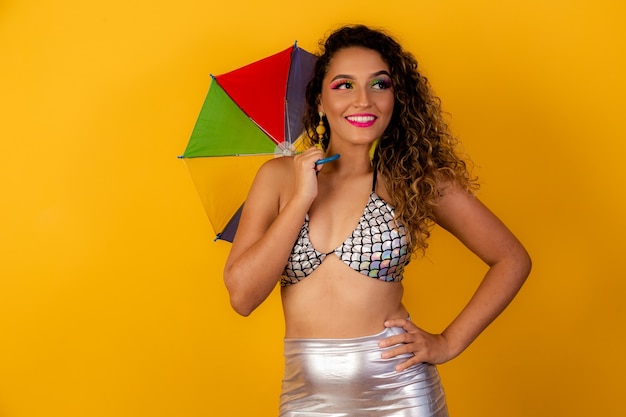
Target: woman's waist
339, 322
340, 345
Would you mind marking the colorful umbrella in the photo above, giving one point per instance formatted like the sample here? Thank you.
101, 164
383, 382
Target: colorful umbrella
249, 115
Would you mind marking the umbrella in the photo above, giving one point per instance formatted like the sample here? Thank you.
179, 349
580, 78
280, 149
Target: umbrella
250, 115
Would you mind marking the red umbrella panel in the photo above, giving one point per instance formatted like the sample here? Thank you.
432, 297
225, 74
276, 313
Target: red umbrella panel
250, 115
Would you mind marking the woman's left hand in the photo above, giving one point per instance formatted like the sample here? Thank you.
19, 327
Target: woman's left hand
425, 347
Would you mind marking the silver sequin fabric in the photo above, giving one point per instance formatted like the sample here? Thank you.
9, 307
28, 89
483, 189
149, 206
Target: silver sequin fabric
348, 377
377, 247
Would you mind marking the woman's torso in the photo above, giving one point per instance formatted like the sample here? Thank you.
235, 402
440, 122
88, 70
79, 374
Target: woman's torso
335, 300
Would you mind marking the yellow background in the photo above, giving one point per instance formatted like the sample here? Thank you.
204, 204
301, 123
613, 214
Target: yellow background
111, 298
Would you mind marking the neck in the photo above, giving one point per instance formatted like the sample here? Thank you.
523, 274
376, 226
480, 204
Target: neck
353, 161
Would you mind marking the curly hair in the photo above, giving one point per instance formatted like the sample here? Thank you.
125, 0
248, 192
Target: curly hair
417, 152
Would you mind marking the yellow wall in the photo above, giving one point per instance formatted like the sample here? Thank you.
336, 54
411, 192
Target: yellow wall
111, 300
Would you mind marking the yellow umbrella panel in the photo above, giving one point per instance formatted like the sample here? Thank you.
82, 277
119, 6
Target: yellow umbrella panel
249, 115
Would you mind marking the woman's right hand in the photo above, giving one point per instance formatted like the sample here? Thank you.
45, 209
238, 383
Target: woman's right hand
305, 174
267, 228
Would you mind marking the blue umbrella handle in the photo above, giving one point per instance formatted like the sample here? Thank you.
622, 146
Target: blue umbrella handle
329, 159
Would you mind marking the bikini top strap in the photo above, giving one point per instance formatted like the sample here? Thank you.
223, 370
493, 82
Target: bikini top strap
374, 180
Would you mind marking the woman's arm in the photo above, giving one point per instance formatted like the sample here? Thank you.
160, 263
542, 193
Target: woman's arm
463, 215
266, 233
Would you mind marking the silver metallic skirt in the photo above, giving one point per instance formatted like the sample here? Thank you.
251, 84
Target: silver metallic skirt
348, 377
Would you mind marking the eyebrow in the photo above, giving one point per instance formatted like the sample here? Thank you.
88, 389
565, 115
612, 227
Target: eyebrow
376, 74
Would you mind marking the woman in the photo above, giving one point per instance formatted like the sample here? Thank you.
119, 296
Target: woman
350, 346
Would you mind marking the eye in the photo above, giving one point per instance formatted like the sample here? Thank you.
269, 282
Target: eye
381, 83
342, 85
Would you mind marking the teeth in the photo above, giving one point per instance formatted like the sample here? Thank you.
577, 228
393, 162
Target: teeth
361, 119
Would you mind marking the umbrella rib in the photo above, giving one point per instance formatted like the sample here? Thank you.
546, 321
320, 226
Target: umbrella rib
272, 138
288, 122
226, 155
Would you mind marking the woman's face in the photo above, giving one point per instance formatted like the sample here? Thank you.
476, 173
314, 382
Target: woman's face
357, 96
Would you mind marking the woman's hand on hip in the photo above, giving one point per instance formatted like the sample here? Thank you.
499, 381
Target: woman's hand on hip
425, 347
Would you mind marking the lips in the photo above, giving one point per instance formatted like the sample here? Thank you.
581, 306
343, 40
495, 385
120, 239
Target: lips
361, 120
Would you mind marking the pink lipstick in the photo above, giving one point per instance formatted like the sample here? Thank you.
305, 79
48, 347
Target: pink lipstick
361, 120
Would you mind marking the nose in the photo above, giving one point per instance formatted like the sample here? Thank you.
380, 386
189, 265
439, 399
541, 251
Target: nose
362, 98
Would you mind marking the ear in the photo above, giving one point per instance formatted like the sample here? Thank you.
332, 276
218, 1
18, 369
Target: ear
319, 105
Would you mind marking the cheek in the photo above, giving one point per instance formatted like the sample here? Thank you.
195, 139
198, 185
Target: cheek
333, 107
388, 110
327, 105
389, 105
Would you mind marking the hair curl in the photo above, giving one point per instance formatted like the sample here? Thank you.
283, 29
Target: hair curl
417, 151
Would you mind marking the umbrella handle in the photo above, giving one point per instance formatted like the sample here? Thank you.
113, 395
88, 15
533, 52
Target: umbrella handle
329, 159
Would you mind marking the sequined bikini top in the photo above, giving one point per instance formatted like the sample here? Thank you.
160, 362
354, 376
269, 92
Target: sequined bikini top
377, 247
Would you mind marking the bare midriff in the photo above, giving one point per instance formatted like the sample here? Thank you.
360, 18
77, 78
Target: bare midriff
336, 302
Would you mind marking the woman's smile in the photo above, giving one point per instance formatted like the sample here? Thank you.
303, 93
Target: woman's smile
361, 120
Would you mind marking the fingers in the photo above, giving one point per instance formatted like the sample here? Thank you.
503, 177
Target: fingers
406, 324
421, 345
407, 337
402, 338
403, 349
307, 158
407, 364
411, 341
305, 184
404, 343
398, 350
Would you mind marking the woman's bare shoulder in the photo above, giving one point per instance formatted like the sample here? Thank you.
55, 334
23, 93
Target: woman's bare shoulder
276, 167
274, 174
